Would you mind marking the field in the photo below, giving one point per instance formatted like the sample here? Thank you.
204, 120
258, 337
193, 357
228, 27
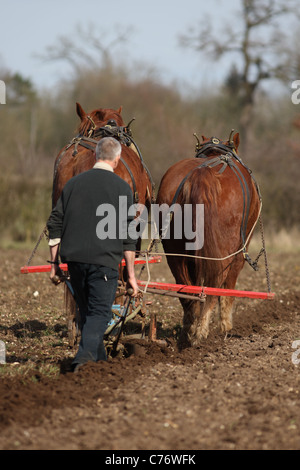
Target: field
236, 393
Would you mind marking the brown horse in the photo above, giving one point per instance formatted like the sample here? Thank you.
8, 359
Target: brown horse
79, 156
219, 181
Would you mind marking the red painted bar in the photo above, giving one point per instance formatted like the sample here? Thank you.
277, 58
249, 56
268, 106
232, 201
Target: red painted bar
185, 289
44, 268
64, 267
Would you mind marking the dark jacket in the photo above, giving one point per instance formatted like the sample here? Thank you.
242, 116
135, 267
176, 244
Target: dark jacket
90, 231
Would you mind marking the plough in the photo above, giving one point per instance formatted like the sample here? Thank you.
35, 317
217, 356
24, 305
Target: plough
192, 292
130, 307
121, 313
45, 268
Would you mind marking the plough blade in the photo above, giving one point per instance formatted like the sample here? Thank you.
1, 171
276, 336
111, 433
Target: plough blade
198, 290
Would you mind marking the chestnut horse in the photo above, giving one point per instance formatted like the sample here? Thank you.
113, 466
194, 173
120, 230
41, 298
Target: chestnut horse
79, 156
219, 181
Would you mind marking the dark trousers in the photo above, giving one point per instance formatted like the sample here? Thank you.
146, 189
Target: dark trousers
94, 292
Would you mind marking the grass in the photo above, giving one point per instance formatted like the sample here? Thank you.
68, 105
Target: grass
277, 241
29, 371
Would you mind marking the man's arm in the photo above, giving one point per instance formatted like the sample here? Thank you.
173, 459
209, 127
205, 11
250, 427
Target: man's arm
129, 259
129, 247
54, 260
54, 225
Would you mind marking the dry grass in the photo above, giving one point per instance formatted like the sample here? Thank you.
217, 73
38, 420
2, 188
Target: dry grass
278, 241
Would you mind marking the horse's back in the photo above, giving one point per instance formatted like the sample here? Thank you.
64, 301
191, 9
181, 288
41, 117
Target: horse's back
229, 198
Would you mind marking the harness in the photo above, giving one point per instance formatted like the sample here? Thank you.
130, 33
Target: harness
227, 157
121, 133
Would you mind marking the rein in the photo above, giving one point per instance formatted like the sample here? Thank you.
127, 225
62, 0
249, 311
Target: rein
227, 157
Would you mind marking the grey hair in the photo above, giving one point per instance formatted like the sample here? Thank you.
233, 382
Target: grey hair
108, 148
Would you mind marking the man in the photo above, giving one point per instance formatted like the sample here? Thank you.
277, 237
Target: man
93, 260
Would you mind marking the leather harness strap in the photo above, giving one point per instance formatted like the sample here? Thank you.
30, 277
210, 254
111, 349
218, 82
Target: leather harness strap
226, 158
120, 133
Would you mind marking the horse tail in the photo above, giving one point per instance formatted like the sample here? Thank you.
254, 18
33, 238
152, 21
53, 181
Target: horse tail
204, 187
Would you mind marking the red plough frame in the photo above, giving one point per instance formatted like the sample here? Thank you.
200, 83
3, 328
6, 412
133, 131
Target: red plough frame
45, 268
158, 287
173, 290
185, 289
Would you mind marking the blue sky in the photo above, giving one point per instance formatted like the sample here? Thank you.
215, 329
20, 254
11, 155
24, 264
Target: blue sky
29, 26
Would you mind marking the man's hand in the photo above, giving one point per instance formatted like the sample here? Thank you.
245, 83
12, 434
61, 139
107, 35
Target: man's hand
56, 275
55, 272
131, 283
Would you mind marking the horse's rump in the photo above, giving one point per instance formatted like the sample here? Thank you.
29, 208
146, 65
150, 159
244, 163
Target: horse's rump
204, 187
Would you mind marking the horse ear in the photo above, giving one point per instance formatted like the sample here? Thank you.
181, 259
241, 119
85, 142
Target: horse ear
204, 138
120, 110
81, 113
236, 140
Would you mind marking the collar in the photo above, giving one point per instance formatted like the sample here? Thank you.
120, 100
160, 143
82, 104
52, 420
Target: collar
103, 166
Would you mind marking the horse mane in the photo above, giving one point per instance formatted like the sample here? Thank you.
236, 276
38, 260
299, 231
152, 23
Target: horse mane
85, 126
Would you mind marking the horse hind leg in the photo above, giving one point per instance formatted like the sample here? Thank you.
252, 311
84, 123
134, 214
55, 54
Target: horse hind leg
226, 303
225, 313
206, 309
196, 321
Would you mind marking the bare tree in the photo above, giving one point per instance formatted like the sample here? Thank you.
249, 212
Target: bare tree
87, 48
257, 42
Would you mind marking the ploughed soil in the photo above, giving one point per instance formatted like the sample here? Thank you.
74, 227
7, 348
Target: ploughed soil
242, 392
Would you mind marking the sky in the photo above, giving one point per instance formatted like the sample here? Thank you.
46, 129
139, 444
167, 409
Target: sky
28, 27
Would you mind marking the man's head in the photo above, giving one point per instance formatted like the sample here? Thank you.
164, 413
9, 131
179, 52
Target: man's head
109, 150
